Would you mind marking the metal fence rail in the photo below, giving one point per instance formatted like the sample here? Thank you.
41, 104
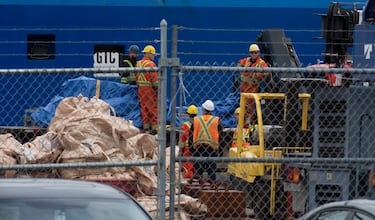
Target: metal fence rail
299, 170
300, 156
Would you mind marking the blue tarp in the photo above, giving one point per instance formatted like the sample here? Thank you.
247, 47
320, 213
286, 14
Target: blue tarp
123, 98
224, 109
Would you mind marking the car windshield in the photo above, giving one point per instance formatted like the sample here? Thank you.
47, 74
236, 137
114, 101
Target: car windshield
71, 209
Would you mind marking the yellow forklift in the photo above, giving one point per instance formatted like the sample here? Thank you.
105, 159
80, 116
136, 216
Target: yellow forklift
267, 141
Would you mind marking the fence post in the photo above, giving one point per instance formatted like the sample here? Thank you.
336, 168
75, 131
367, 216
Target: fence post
173, 121
162, 97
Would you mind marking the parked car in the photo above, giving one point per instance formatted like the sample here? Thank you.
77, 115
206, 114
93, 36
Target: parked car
357, 209
59, 199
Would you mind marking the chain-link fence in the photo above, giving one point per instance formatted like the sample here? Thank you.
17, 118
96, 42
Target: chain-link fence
306, 136
309, 143
304, 131
85, 132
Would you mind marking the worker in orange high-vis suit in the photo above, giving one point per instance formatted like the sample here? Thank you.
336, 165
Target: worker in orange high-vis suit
245, 132
147, 83
188, 167
204, 140
250, 81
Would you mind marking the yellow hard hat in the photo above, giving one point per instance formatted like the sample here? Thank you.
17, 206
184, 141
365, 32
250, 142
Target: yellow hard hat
149, 49
237, 111
192, 110
253, 47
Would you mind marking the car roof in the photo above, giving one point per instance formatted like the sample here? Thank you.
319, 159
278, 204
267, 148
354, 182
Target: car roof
366, 205
57, 188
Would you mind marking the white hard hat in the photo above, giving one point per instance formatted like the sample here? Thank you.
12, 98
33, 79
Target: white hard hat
208, 105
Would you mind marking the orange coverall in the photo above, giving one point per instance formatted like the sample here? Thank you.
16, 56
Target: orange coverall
188, 167
245, 135
148, 94
250, 81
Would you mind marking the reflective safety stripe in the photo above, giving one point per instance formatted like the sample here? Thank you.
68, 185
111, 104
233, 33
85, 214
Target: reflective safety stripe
154, 84
253, 127
250, 80
188, 124
146, 83
253, 80
204, 131
131, 77
141, 79
245, 138
247, 63
129, 63
124, 80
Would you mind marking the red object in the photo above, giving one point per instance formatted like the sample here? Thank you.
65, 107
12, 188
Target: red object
148, 94
221, 201
334, 79
289, 203
129, 186
188, 167
224, 203
250, 81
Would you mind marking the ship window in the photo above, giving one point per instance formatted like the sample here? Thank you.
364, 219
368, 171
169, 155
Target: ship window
41, 47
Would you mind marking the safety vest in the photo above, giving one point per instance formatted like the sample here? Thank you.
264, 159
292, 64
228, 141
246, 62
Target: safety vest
206, 131
245, 137
131, 77
252, 128
142, 80
253, 79
188, 125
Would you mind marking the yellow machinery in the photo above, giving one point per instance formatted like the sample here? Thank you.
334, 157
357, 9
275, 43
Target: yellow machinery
250, 170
